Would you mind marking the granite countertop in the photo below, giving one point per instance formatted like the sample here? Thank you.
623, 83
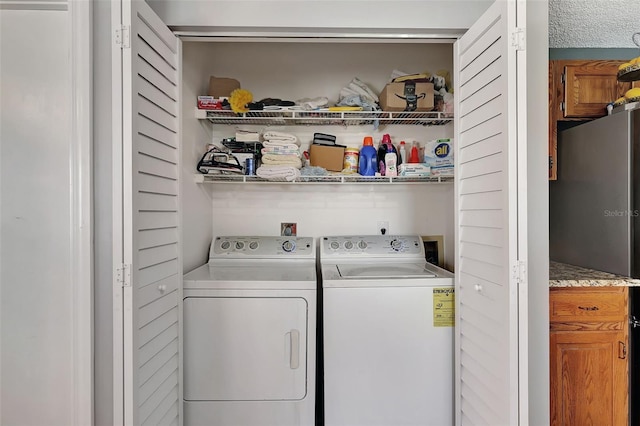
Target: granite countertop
564, 275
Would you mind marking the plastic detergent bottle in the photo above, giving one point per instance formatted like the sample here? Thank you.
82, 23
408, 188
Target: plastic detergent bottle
386, 147
414, 157
382, 151
390, 164
403, 153
367, 163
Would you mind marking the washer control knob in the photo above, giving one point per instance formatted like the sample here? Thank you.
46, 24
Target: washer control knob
239, 245
288, 246
362, 244
348, 245
253, 245
334, 245
225, 245
397, 245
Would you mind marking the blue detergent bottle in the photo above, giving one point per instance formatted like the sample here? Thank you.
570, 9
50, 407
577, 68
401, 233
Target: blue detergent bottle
367, 164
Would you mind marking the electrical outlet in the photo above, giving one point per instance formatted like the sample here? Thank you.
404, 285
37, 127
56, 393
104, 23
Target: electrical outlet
288, 229
383, 227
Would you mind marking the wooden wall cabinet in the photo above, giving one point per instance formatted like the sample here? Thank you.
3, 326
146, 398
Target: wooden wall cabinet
588, 356
579, 91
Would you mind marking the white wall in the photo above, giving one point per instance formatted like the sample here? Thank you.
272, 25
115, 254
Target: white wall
36, 309
538, 211
329, 14
322, 210
103, 218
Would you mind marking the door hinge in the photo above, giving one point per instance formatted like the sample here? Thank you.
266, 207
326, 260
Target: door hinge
122, 37
123, 275
562, 78
519, 271
562, 106
519, 39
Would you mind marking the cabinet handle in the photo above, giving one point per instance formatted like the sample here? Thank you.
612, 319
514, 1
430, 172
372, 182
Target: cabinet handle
588, 308
622, 350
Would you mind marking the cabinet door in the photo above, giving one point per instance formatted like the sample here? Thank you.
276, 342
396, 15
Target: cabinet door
580, 90
491, 382
588, 378
146, 222
589, 87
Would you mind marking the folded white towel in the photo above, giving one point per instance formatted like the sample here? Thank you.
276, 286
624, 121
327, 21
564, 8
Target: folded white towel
280, 137
283, 144
278, 173
247, 136
283, 150
282, 160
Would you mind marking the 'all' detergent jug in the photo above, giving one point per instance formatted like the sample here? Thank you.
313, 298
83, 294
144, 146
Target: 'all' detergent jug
367, 164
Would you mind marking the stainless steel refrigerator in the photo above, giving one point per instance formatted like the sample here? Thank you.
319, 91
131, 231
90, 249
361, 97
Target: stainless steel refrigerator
594, 210
595, 202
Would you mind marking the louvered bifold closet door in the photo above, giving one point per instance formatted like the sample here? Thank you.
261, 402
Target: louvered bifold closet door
151, 222
486, 221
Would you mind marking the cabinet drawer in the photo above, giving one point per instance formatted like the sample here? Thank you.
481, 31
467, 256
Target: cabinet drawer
593, 304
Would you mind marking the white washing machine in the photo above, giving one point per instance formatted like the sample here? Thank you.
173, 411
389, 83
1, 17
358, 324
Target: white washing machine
388, 327
249, 327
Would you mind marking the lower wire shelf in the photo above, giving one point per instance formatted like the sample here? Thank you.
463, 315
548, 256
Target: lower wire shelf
330, 179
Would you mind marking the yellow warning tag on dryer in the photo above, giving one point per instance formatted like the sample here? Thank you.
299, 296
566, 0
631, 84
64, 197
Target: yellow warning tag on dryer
444, 307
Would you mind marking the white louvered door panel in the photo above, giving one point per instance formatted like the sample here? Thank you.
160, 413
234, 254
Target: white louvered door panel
487, 212
151, 231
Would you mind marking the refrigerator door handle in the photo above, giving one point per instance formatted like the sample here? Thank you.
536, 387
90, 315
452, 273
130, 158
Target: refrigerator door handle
622, 350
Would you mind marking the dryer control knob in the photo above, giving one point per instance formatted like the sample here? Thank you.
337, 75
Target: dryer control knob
348, 245
239, 245
225, 245
288, 246
253, 245
362, 244
397, 245
335, 245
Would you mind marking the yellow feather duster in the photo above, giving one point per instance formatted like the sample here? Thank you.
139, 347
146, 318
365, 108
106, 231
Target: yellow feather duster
239, 99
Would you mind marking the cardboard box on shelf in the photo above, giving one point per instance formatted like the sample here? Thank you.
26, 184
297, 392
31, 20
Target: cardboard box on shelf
414, 169
438, 154
221, 87
209, 103
393, 97
331, 157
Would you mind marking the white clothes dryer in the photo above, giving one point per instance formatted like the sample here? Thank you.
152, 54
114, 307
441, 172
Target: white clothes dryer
249, 327
388, 327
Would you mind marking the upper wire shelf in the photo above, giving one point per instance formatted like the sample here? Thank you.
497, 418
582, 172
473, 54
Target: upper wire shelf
345, 118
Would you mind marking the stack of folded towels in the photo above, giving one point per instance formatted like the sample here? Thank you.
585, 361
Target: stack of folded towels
280, 157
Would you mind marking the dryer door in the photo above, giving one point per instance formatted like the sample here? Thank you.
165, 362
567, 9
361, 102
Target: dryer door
245, 348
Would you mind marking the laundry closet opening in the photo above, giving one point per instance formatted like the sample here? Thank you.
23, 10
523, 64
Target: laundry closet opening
292, 69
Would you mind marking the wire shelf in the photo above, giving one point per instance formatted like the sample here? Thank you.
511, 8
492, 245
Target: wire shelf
345, 118
330, 179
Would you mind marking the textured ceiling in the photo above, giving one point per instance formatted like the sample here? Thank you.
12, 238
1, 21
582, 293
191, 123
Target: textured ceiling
593, 23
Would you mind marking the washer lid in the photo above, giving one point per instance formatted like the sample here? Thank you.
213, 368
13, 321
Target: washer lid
384, 270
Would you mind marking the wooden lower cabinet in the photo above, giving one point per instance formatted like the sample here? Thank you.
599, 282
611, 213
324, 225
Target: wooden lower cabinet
588, 357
